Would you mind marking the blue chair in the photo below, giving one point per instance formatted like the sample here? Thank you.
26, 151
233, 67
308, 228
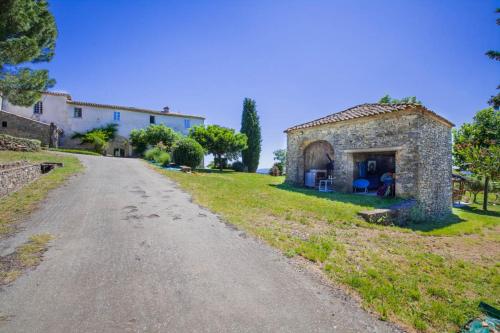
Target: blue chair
360, 184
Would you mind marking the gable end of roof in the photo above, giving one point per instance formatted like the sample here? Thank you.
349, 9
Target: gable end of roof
369, 110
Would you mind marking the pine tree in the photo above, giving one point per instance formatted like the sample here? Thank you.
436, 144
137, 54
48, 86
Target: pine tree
27, 34
250, 126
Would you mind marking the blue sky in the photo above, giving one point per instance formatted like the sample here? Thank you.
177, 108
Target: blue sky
299, 60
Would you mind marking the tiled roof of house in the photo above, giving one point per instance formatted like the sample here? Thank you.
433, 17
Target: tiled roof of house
57, 93
367, 110
118, 107
129, 108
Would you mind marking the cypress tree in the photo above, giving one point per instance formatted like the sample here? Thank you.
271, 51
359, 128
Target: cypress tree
250, 126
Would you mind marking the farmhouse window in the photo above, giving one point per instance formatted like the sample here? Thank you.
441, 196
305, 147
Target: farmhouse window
4, 124
38, 108
152, 120
77, 112
116, 116
187, 123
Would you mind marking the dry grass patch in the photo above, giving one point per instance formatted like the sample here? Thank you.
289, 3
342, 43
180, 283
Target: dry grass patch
26, 256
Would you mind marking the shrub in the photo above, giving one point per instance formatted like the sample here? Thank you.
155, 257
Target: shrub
98, 137
188, 152
238, 166
152, 136
151, 153
8, 142
162, 158
275, 170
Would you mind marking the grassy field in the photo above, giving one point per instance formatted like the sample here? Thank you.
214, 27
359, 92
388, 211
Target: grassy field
19, 204
428, 277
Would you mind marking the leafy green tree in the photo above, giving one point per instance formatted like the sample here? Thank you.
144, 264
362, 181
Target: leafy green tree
250, 126
475, 147
495, 55
27, 34
152, 136
161, 133
188, 152
280, 156
220, 141
405, 100
484, 161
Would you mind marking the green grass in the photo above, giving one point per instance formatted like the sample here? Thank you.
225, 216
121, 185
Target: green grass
407, 275
19, 204
76, 151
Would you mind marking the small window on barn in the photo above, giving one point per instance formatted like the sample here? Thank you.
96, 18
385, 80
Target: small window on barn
116, 116
187, 123
152, 120
77, 112
4, 124
38, 108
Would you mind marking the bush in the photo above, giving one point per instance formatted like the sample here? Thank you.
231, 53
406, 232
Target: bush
276, 169
188, 152
98, 139
8, 142
152, 136
151, 153
238, 166
162, 158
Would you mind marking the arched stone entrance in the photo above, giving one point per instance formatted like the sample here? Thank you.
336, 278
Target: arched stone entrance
317, 154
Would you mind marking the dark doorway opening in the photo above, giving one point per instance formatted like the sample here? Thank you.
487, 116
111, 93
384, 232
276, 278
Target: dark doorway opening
378, 168
119, 152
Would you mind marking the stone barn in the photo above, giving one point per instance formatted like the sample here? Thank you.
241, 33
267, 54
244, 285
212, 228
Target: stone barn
407, 141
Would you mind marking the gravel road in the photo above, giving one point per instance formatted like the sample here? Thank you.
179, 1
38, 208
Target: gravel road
132, 253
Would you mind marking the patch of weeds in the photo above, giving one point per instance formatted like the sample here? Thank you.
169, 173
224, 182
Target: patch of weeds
290, 253
26, 256
316, 249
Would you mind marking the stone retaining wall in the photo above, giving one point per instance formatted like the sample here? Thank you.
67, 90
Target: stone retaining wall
15, 175
23, 127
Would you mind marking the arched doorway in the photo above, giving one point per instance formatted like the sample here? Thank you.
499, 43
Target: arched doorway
317, 155
318, 162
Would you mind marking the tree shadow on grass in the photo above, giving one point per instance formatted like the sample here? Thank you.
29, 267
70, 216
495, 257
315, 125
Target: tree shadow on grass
214, 171
479, 211
450, 219
434, 224
349, 198
377, 202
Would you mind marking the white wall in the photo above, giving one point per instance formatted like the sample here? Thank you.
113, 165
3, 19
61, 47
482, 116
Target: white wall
57, 110
129, 120
54, 111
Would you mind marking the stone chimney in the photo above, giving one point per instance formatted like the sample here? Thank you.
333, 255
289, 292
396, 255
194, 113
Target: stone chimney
166, 109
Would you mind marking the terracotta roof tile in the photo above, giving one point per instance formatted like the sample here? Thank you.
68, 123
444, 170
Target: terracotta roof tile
366, 110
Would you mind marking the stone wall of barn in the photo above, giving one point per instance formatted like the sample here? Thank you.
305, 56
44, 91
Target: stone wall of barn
420, 145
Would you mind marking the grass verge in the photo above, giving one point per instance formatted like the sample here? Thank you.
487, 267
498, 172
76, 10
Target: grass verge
76, 151
28, 255
19, 204
411, 276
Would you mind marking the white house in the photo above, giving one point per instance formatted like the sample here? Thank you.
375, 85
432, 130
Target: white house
75, 116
